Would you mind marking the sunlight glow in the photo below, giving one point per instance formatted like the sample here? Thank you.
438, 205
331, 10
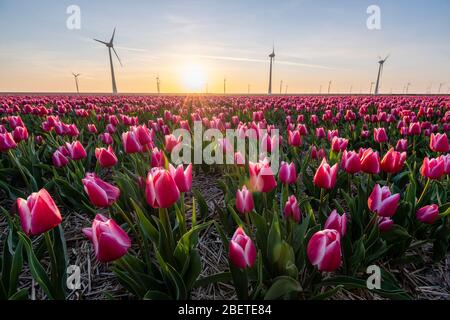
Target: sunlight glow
193, 77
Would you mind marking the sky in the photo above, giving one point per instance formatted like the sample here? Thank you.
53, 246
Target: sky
192, 45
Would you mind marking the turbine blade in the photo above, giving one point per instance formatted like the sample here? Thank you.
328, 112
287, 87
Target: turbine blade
387, 57
101, 41
112, 38
117, 56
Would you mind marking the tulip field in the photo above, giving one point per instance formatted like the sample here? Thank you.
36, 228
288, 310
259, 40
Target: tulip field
349, 197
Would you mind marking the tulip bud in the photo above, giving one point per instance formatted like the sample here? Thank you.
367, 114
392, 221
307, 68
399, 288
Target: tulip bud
370, 162
59, 159
161, 190
380, 135
6, 142
382, 202
350, 162
158, 158
76, 150
393, 161
261, 176
439, 142
242, 251
106, 157
183, 178
325, 176
433, 168
292, 210
337, 222
287, 173
130, 142
385, 224
244, 200
324, 250
428, 214
101, 194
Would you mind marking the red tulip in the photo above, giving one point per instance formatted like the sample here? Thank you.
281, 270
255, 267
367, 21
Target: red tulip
324, 250
106, 157
244, 200
414, 128
294, 138
433, 168
337, 222
144, 135
182, 177
59, 159
325, 176
350, 162
6, 142
370, 162
439, 142
292, 210
161, 190
339, 144
76, 150
38, 213
261, 176
380, 135
320, 133
101, 194
110, 241
170, 142
288, 173
428, 214
158, 158
130, 142
385, 223
242, 251
393, 161
382, 202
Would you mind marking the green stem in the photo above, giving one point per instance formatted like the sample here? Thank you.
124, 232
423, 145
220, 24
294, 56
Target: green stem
19, 167
321, 202
165, 221
51, 252
427, 185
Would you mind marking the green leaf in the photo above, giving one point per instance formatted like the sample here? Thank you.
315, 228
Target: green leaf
214, 278
282, 286
16, 268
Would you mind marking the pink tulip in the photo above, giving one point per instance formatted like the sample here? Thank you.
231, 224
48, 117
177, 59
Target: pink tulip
158, 158
239, 159
439, 142
244, 200
339, 144
242, 251
370, 162
428, 214
59, 159
393, 161
130, 142
106, 138
320, 133
106, 157
382, 202
337, 222
76, 150
110, 241
292, 210
261, 176
433, 168
350, 162
101, 194
91, 128
324, 250
385, 224
7, 142
20, 134
294, 138
38, 213
446, 160
287, 173
170, 142
182, 177
161, 190
380, 135
402, 145
325, 176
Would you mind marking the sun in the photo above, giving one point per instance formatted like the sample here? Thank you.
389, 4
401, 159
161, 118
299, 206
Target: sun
193, 76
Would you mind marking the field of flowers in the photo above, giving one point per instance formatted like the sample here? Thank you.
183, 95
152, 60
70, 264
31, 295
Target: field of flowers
90, 192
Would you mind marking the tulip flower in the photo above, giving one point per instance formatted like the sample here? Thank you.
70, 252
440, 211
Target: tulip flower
38, 213
433, 168
393, 161
370, 162
161, 190
402, 145
20, 134
110, 241
428, 214
59, 159
106, 138
101, 194
170, 142
385, 224
294, 138
414, 128
320, 133
325, 176
337, 222
244, 201
446, 160
106, 157
6, 142
183, 178
287, 173
76, 150
158, 158
380, 135
339, 144
382, 202
242, 251
324, 250
350, 162
239, 159
439, 142
130, 142
91, 128
261, 176
291, 209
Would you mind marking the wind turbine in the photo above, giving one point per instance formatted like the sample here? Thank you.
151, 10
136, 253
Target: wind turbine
440, 87
272, 58
224, 85
380, 71
281, 86
351, 88
329, 86
75, 75
110, 47
158, 83
248, 88
285, 91
407, 87
371, 85
320, 89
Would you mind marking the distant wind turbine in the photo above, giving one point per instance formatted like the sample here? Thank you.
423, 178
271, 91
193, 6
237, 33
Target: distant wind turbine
440, 87
285, 91
248, 88
351, 88
320, 89
371, 86
76, 75
407, 87
272, 59
158, 83
224, 85
110, 47
281, 86
380, 71
329, 86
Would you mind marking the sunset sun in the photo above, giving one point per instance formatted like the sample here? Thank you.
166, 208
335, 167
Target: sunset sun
193, 76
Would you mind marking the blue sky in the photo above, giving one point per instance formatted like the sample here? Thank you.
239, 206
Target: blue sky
315, 42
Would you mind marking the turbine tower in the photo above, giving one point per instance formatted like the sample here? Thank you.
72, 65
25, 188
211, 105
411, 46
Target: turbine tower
248, 88
281, 86
440, 87
371, 86
272, 58
224, 85
110, 47
380, 71
329, 86
407, 87
158, 83
75, 75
